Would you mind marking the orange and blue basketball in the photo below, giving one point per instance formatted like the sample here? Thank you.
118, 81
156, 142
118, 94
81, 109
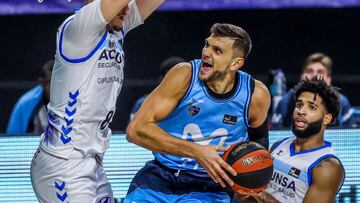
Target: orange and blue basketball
253, 164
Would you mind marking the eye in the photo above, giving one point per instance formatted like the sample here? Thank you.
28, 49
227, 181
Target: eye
298, 105
217, 51
312, 108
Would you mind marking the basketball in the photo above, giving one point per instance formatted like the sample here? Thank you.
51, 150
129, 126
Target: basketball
253, 164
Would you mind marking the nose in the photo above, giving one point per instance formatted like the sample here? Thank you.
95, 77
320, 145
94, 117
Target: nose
206, 52
300, 110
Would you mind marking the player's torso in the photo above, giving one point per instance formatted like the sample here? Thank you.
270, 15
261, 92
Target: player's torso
83, 96
206, 120
292, 170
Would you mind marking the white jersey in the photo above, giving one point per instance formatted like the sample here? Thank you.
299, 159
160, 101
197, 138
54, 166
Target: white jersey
292, 170
86, 80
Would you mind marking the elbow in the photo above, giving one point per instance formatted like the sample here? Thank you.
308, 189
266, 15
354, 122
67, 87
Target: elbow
132, 133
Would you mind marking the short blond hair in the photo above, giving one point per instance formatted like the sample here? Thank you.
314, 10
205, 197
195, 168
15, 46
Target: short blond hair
319, 57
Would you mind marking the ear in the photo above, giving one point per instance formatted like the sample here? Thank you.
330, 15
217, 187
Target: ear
327, 119
237, 63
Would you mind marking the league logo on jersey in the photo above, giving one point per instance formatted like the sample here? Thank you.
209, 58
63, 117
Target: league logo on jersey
294, 172
193, 110
230, 119
112, 44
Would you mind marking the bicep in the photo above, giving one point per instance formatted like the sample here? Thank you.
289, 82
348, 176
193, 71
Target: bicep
146, 7
259, 106
327, 180
156, 106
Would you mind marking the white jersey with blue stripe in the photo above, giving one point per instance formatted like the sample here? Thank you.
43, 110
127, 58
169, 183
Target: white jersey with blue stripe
201, 118
86, 80
292, 174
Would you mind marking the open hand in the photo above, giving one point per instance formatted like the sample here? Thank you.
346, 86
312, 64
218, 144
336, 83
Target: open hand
207, 156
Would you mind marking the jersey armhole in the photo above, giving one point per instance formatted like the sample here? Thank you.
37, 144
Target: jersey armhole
315, 163
193, 73
79, 60
250, 86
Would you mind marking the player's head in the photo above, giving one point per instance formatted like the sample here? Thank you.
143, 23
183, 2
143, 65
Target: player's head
317, 105
224, 52
317, 64
45, 77
167, 64
116, 23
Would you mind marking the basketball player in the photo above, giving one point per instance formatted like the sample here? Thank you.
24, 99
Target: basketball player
86, 80
198, 110
306, 169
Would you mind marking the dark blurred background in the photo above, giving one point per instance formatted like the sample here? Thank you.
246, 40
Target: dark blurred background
282, 38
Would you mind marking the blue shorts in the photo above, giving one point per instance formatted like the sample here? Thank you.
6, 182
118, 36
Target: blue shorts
155, 183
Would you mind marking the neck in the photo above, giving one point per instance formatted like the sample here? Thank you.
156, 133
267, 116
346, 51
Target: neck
222, 85
314, 141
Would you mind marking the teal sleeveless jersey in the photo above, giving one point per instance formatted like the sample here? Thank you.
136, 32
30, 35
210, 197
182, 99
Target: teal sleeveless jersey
201, 118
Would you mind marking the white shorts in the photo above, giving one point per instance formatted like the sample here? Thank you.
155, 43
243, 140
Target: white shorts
73, 180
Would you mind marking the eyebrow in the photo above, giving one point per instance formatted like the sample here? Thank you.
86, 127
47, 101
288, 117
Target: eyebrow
309, 102
216, 46
312, 103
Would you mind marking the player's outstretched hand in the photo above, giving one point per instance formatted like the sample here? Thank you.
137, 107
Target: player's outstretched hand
207, 156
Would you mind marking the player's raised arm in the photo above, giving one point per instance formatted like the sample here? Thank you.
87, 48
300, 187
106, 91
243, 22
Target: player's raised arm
259, 106
327, 178
146, 7
111, 8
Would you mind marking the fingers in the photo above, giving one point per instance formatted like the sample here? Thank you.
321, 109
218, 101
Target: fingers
222, 148
226, 166
221, 164
212, 171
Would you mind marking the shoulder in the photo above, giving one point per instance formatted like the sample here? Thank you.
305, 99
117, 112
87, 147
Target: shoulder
180, 72
261, 95
177, 80
259, 104
329, 163
328, 170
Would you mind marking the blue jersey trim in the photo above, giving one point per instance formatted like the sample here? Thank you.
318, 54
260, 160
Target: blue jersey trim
193, 73
238, 88
309, 172
246, 110
293, 153
80, 60
277, 144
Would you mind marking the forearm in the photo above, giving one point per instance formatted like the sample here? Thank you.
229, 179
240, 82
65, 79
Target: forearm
260, 134
152, 137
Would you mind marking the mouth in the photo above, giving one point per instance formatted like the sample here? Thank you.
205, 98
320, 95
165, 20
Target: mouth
300, 122
206, 66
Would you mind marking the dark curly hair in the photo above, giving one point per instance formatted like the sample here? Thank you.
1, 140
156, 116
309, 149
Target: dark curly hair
329, 94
